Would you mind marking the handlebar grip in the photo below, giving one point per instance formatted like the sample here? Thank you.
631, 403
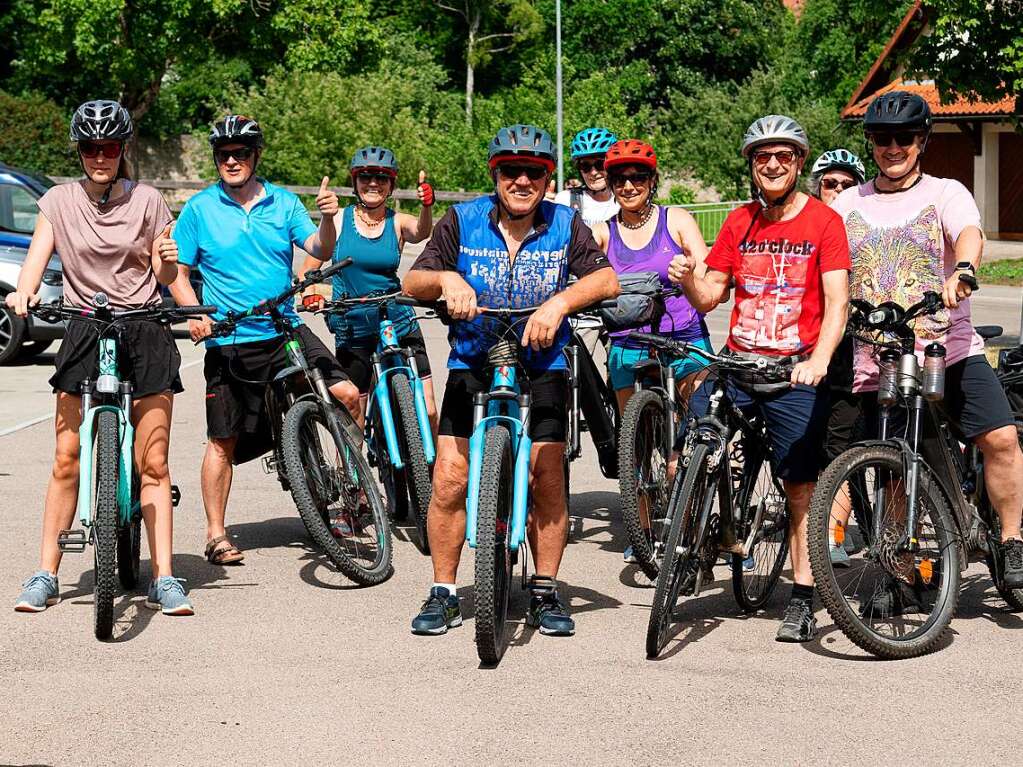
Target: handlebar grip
201, 309
648, 338
440, 303
970, 280
333, 269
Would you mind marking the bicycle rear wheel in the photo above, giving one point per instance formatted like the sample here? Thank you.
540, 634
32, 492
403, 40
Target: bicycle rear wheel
762, 503
104, 522
891, 602
417, 477
493, 559
329, 477
129, 540
642, 476
689, 508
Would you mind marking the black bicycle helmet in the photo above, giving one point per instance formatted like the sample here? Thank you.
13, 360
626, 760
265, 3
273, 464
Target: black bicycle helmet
236, 129
101, 120
376, 157
898, 110
521, 142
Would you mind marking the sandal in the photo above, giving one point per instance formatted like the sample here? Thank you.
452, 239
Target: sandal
225, 555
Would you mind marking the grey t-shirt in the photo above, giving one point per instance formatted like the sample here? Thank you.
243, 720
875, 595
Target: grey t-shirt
106, 248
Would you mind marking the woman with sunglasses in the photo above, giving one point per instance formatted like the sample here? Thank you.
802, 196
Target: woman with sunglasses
593, 198
835, 171
373, 236
105, 228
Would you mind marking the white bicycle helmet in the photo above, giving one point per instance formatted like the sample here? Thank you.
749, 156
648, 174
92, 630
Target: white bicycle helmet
839, 159
774, 129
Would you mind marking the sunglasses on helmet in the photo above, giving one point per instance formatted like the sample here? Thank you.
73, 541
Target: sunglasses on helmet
512, 172
242, 154
90, 150
903, 138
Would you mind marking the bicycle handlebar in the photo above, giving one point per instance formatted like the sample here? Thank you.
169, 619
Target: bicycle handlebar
58, 311
760, 366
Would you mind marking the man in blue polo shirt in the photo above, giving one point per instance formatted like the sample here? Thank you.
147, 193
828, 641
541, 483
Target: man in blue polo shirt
241, 232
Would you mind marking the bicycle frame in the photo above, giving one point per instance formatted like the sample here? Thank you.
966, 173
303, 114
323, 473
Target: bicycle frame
503, 405
668, 391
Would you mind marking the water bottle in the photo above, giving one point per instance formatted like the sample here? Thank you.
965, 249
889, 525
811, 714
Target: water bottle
934, 372
887, 391
909, 374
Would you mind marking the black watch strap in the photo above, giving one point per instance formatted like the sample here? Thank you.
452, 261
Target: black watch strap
966, 265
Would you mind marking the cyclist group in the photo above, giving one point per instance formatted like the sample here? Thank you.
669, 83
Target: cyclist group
792, 258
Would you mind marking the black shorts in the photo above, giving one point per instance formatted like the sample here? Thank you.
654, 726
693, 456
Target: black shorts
237, 376
548, 417
146, 355
845, 425
974, 401
355, 359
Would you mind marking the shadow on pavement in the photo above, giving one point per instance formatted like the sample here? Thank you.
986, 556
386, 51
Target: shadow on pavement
45, 359
597, 506
979, 599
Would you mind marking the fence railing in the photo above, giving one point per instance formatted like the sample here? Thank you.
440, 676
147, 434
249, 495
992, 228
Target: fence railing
711, 215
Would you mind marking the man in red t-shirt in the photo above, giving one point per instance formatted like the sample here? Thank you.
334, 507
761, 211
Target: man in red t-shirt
788, 256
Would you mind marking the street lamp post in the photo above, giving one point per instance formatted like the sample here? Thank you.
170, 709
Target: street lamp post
557, 67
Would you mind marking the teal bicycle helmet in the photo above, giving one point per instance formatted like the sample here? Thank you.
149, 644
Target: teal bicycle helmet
592, 141
839, 159
521, 142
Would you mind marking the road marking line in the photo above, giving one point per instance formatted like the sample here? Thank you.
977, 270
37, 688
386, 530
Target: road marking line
46, 416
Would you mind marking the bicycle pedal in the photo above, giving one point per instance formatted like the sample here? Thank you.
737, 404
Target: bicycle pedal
72, 541
175, 496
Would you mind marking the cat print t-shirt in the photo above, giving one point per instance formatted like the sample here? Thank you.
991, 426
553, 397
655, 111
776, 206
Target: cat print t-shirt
901, 246
777, 267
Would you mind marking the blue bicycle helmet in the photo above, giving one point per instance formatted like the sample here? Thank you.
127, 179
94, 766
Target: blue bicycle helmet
376, 157
592, 141
521, 142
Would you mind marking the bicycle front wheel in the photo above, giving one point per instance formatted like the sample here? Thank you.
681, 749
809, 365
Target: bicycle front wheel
891, 600
331, 481
642, 476
680, 564
104, 522
417, 480
129, 541
493, 559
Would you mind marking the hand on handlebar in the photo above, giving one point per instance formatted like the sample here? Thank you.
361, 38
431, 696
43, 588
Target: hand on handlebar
956, 289
809, 372
459, 297
543, 324
19, 302
200, 329
312, 301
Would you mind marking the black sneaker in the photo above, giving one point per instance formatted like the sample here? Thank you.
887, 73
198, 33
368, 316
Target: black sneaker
1012, 564
546, 611
895, 599
440, 612
798, 625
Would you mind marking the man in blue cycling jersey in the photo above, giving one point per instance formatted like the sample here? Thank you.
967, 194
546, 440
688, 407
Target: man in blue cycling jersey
241, 233
511, 249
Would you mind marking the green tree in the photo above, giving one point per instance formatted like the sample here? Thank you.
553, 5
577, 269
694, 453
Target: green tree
34, 134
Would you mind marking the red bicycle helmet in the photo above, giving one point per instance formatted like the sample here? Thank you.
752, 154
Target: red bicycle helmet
630, 151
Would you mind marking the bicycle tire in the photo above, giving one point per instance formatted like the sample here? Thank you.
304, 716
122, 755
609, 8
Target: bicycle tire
688, 505
313, 485
753, 588
640, 444
845, 471
104, 522
129, 541
418, 480
493, 559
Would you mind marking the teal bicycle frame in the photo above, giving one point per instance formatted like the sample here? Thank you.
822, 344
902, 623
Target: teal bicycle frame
503, 404
107, 385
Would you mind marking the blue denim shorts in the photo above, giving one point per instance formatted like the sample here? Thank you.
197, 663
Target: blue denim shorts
620, 361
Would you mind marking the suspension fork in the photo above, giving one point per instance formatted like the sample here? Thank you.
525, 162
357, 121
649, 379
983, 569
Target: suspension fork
419, 397
382, 393
916, 407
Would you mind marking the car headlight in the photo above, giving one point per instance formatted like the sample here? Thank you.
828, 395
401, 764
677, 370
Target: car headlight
53, 277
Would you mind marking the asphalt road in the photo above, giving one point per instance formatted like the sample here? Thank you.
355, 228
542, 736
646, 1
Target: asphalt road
286, 663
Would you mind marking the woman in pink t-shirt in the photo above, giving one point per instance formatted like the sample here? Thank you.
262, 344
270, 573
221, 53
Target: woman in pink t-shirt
110, 233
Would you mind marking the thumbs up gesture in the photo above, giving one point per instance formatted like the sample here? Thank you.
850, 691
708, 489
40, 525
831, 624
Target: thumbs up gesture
165, 247
424, 191
326, 200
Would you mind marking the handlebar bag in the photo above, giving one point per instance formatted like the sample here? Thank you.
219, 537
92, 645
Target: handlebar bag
639, 303
756, 383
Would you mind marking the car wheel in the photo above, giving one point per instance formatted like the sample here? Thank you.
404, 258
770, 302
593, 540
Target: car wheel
12, 333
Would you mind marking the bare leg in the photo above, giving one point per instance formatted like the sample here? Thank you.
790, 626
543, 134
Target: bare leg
152, 417
217, 473
62, 491
445, 520
1003, 474
548, 519
798, 494
431, 405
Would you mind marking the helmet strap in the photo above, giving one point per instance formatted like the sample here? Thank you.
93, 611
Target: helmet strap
897, 179
109, 188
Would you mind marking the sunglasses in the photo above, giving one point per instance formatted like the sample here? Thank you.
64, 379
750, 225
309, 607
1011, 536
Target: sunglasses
636, 179
512, 172
242, 154
587, 166
903, 138
834, 183
91, 150
783, 156
380, 178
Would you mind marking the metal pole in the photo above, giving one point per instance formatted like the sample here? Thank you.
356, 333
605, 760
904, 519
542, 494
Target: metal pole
561, 128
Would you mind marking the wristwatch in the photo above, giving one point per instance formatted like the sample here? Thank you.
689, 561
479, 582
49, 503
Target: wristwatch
966, 266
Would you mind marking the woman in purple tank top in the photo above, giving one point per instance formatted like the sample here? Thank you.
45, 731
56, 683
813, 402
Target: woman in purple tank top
644, 237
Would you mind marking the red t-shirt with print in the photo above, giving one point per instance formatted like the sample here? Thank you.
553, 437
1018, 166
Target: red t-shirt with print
777, 268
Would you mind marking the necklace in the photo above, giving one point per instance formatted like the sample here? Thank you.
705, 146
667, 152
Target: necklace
371, 223
642, 222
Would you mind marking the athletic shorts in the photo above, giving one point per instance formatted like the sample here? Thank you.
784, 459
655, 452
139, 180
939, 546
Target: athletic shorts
974, 401
548, 417
146, 355
796, 421
845, 425
357, 363
621, 359
237, 376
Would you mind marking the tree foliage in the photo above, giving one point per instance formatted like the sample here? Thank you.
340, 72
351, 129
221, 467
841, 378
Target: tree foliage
34, 134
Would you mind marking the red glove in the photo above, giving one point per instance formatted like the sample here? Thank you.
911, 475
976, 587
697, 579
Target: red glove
425, 190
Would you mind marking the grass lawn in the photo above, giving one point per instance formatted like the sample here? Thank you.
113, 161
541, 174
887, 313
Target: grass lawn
1007, 272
